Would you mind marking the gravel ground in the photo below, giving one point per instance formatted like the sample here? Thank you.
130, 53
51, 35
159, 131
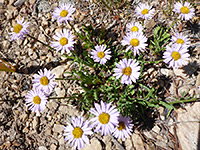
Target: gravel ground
22, 129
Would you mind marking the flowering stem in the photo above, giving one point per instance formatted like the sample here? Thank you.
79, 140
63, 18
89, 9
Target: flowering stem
142, 22
47, 45
61, 97
170, 26
64, 79
183, 101
40, 41
83, 38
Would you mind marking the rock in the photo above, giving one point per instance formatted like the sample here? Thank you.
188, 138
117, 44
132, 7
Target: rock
52, 104
24, 117
42, 148
58, 128
188, 128
18, 3
7, 144
60, 92
25, 130
137, 141
44, 22
194, 91
32, 2
5, 44
166, 72
48, 131
69, 110
152, 72
107, 140
59, 70
198, 81
183, 89
35, 122
179, 72
34, 56
61, 140
42, 38
94, 145
53, 147
11, 12
30, 51
16, 143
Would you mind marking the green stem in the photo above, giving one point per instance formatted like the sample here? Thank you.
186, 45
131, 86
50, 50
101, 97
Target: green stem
143, 22
60, 97
183, 101
170, 26
64, 79
81, 37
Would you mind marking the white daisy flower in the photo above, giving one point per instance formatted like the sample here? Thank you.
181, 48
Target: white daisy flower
176, 55
100, 54
44, 81
19, 30
134, 27
106, 117
77, 131
128, 69
36, 100
179, 38
64, 13
135, 41
124, 128
144, 11
185, 10
64, 41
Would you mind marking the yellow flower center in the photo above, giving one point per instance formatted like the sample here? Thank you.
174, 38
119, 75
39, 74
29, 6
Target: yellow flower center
100, 54
176, 55
185, 10
121, 126
77, 132
127, 71
134, 29
63, 41
180, 41
17, 28
145, 11
104, 118
44, 80
36, 100
134, 42
63, 13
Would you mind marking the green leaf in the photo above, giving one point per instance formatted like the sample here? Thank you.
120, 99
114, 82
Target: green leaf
170, 107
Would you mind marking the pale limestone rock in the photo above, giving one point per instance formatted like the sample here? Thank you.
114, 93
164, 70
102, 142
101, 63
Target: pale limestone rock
94, 145
188, 128
183, 89
35, 122
60, 92
70, 110
61, 140
53, 147
58, 128
42, 148
198, 81
180, 72
137, 141
52, 104
166, 72
59, 70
